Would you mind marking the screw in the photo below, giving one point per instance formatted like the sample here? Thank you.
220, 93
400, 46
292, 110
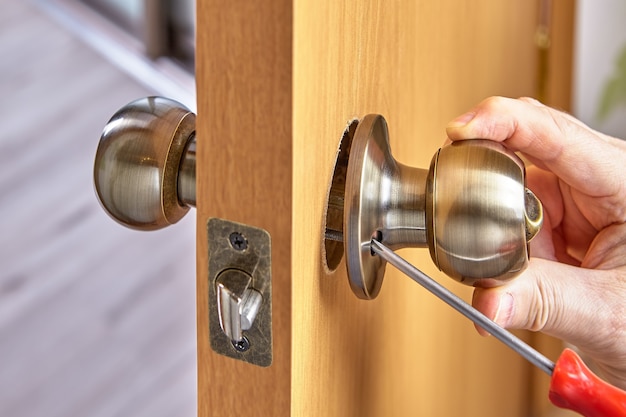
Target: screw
241, 345
378, 236
238, 241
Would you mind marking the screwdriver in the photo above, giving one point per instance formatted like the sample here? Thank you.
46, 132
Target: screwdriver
572, 386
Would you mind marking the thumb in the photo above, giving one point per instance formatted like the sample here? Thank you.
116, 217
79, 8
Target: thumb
574, 304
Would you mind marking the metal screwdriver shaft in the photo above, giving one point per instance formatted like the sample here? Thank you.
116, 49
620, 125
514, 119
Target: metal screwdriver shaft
462, 307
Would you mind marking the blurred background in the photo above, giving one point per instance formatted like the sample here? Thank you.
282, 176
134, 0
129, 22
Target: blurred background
599, 90
95, 319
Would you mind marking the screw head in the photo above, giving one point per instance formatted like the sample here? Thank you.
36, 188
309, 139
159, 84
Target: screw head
238, 241
241, 345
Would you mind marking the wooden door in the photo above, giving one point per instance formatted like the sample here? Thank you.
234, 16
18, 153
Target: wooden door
278, 81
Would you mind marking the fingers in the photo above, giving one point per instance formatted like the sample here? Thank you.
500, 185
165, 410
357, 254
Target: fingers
583, 189
581, 306
553, 140
566, 233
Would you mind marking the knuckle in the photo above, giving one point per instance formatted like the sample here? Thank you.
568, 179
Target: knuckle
494, 103
531, 100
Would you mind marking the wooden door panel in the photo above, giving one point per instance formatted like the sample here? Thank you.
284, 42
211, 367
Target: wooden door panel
278, 81
243, 76
419, 64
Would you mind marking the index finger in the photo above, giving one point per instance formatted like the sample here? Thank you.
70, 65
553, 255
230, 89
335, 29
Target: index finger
585, 159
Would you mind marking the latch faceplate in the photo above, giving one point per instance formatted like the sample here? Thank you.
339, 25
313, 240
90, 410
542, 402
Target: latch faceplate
240, 291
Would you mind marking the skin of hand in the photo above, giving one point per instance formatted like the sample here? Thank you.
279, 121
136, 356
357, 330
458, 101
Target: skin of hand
575, 285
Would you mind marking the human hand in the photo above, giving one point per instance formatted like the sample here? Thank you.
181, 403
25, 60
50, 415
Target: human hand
575, 285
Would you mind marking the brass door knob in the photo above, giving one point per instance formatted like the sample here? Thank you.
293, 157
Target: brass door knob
471, 208
145, 166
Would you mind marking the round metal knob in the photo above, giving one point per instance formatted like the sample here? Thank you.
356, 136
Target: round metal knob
145, 168
471, 209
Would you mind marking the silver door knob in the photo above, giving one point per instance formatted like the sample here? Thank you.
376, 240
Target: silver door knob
145, 166
471, 208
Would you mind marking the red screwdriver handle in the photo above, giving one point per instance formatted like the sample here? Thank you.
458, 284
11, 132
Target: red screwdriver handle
575, 387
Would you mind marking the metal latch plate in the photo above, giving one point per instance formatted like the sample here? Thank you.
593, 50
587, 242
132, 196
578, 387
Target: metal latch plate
248, 249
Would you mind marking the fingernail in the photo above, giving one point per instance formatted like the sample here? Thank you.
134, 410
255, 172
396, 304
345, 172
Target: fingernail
462, 120
505, 310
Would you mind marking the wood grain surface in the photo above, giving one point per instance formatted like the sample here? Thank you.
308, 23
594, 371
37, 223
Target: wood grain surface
244, 174
277, 86
419, 64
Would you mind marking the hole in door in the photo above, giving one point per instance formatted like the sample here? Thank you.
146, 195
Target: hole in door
333, 240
